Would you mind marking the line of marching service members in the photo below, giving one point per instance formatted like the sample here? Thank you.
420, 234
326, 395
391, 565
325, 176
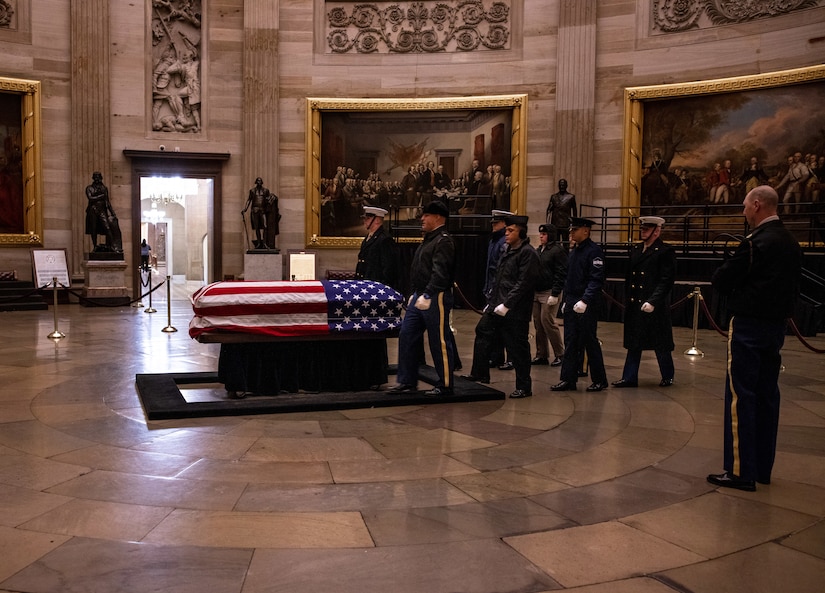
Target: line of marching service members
760, 281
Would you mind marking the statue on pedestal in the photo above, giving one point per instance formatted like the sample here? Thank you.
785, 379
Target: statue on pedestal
100, 217
265, 215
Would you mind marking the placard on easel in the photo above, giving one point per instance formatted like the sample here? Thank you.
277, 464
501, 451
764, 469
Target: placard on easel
301, 265
48, 264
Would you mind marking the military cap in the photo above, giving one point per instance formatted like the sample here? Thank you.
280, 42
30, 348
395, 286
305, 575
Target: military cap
436, 207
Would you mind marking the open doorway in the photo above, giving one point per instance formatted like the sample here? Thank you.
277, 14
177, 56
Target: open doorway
174, 222
176, 207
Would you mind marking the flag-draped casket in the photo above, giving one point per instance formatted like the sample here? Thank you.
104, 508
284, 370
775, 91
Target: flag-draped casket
327, 335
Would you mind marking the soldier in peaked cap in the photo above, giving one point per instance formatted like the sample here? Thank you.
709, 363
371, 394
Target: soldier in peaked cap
495, 247
509, 307
432, 274
647, 323
378, 257
582, 297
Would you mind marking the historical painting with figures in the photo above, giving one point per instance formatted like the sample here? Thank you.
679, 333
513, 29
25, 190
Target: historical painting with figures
702, 151
402, 155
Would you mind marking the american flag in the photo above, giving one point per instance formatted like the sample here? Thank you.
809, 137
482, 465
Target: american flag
303, 308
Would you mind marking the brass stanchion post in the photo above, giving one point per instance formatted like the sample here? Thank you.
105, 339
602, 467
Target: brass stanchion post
169, 328
694, 350
150, 309
56, 334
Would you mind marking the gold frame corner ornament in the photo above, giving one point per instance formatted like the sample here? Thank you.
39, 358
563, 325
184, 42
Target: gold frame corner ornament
32, 169
316, 106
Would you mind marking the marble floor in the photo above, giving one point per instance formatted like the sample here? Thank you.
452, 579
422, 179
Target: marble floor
593, 493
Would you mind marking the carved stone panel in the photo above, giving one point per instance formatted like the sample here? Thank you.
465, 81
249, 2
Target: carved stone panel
417, 27
176, 65
670, 16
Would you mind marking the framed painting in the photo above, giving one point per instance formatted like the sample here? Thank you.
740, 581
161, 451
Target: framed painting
692, 151
21, 215
400, 154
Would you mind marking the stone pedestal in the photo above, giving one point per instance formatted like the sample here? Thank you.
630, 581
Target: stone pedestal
105, 283
263, 264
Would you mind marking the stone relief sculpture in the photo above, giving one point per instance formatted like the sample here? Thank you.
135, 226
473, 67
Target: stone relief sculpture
418, 27
6, 13
176, 61
670, 16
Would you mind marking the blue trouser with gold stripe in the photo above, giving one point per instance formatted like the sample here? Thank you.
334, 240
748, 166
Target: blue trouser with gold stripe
435, 321
752, 396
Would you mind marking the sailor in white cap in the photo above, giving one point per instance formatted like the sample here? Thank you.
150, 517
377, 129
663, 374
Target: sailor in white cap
647, 323
378, 257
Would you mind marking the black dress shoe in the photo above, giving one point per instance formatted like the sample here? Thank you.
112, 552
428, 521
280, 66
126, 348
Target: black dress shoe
597, 386
727, 480
557, 361
507, 366
538, 361
520, 393
665, 382
439, 392
624, 383
563, 386
402, 388
485, 380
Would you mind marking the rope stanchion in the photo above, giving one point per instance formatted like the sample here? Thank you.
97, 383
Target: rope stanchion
169, 328
56, 334
711, 319
464, 299
694, 350
150, 309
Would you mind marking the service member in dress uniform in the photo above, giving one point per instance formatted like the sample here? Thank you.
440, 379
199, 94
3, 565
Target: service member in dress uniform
509, 307
647, 324
761, 282
378, 257
582, 296
495, 247
432, 274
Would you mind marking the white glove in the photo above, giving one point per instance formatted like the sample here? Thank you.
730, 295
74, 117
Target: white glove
423, 302
580, 307
551, 300
501, 310
648, 308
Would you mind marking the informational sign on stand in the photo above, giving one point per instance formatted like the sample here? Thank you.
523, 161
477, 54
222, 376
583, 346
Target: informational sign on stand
48, 264
301, 265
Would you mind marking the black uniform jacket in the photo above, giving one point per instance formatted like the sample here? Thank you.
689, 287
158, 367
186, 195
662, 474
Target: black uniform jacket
378, 259
552, 268
761, 279
433, 265
649, 280
515, 282
585, 275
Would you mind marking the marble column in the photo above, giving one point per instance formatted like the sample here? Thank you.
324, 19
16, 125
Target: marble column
575, 98
260, 94
91, 149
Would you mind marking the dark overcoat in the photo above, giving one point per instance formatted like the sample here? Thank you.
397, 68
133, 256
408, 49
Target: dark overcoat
649, 279
378, 259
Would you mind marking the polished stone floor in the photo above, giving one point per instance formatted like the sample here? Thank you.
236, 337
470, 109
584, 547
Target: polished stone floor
596, 493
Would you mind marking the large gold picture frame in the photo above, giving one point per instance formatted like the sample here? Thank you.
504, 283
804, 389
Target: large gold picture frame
399, 117
21, 184
684, 130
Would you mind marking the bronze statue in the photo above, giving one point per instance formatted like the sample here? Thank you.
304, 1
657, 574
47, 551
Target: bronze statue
100, 217
265, 215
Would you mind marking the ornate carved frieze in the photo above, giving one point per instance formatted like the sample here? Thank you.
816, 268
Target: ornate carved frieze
7, 14
176, 65
417, 27
671, 16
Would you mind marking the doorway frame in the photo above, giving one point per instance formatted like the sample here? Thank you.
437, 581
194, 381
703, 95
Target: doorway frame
201, 165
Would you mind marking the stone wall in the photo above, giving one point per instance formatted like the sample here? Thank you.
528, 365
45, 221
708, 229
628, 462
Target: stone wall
616, 44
